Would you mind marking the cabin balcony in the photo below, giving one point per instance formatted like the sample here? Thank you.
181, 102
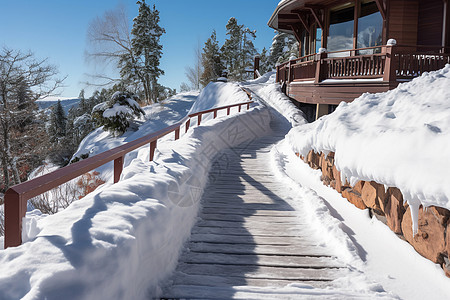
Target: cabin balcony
325, 79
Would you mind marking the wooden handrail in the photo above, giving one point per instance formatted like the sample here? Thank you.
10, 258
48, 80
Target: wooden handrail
16, 197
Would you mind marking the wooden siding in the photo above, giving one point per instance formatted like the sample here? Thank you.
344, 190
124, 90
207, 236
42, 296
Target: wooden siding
334, 93
403, 21
430, 22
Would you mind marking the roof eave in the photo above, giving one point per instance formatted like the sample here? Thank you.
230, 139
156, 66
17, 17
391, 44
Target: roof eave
273, 21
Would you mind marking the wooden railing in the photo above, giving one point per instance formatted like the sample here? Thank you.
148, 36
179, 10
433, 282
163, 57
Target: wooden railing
388, 62
413, 61
17, 196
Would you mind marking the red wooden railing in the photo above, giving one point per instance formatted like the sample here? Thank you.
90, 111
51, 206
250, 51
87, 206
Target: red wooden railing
17, 196
388, 62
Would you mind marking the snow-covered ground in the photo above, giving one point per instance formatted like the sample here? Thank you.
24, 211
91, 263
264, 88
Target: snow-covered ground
122, 240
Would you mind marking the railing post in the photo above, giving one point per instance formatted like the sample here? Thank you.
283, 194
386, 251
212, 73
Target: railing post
15, 211
118, 167
248, 106
215, 114
278, 74
228, 110
320, 70
256, 66
390, 67
199, 119
152, 149
188, 122
177, 133
239, 109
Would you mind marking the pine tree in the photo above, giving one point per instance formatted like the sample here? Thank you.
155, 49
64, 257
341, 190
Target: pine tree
264, 64
83, 107
211, 60
284, 46
238, 50
58, 122
143, 65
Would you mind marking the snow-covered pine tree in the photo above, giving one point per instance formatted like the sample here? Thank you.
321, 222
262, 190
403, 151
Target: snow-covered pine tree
211, 60
147, 51
248, 52
238, 50
232, 49
82, 105
264, 64
284, 46
117, 114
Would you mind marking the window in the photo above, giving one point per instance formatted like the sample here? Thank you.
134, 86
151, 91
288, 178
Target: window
370, 28
340, 34
318, 39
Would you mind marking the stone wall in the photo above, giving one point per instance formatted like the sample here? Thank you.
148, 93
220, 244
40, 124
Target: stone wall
431, 240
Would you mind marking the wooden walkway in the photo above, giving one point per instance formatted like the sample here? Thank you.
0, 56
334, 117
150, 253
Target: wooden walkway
247, 235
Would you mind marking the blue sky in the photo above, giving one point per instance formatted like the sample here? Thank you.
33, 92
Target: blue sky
57, 29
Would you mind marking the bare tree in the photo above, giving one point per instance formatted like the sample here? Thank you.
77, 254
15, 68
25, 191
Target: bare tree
23, 80
135, 54
194, 73
108, 41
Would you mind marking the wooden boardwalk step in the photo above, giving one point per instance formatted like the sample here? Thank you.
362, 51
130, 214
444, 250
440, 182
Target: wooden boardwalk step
261, 272
249, 239
300, 250
261, 260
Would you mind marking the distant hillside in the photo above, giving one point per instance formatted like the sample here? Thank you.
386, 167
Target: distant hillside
66, 102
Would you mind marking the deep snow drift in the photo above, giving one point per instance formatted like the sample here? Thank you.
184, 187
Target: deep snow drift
400, 138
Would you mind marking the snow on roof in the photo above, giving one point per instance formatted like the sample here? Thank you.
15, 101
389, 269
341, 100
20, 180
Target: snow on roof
400, 138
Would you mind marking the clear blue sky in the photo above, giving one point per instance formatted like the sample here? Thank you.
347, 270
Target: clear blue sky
57, 29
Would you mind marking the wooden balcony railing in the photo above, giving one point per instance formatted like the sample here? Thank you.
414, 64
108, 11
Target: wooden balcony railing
388, 62
17, 196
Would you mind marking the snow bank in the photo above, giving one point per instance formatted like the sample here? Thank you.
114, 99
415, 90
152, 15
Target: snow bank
270, 93
217, 94
121, 240
400, 138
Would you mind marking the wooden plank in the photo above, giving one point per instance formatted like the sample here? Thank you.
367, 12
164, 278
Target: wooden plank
242, 211
260, 272
252, 232
259, 249
252, 240
221, 281
249, 224
249, 218
261, 260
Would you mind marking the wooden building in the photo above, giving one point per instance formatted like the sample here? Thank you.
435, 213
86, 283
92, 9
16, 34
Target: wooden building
348, 47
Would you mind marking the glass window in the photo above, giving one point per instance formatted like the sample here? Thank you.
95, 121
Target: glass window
303, 44
340, 36
370, 28
318, 39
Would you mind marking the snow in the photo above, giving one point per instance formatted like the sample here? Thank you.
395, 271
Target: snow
217, 94
362, 242
121, 240
399, 138
270, 93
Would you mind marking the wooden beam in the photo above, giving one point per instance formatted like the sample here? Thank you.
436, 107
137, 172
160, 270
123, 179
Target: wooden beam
302, 20
313, 10
296, 29
381, 8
